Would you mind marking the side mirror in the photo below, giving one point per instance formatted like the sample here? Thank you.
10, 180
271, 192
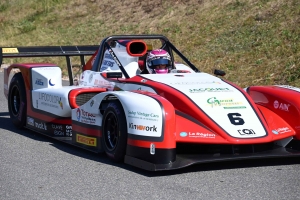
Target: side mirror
219, 72
114, 74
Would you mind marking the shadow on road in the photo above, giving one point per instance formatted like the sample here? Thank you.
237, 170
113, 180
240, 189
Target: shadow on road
6, 124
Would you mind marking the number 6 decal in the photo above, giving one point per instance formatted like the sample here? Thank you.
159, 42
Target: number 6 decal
235, 118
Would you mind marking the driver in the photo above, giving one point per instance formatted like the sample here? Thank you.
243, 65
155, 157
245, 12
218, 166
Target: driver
158, 61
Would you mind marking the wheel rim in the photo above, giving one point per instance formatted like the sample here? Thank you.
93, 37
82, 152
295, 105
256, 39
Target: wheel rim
15, 101
111, 130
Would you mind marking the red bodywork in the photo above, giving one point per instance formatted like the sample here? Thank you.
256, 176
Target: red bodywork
282, 101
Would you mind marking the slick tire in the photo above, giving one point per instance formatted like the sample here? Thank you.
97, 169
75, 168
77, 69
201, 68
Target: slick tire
17, 102
114, 131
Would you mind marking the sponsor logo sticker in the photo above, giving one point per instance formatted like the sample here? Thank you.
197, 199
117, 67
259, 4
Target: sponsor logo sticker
143, 128
225, 103
199, 90
202, 135
41, 125
39, 81
85, 117
194, 83
89, 141
246, 132
281, 130
143, 115
50, 100
78, 114
10, 50
30, 121
51, 82
281, 106
183, 134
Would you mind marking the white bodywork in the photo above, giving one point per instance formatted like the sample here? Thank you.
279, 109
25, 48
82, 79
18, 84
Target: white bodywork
216, 98
141, 119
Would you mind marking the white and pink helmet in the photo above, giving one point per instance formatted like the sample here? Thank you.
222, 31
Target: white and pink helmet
158, 57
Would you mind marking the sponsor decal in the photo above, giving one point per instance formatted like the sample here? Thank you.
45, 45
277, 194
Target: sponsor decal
58, 130
152, 149
281, 106
89, 141
10, 50
143, 115
91, 78
47, 68
50, 83
92, 103
281, 130
199, 90
50, 100
108, 63
58, 133
183, 134
84, 83
200, 135
39, 81
235, 107
68, 130
57, 127
30, 121
246, 132
78, 114
108, 56
85, 117
195, 83
103, 83
41, 125
226, 103
142, 127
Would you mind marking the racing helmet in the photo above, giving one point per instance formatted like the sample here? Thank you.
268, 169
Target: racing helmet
158, 57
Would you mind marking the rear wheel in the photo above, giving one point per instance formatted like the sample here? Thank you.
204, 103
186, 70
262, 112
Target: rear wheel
114, 131
17, 101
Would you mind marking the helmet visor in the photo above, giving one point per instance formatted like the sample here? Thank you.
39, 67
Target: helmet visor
156, 62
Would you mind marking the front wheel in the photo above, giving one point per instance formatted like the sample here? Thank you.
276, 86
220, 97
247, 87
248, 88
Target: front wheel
114, 131
17, 102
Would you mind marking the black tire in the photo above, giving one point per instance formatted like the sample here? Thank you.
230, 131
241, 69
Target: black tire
17, 102
114, 131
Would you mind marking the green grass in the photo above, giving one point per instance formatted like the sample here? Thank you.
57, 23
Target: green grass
257, 42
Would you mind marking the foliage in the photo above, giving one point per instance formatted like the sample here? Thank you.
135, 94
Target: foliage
254, 41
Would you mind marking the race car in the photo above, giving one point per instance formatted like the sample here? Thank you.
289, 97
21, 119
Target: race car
149, 120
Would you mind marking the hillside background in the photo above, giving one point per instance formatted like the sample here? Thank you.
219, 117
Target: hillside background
257, 42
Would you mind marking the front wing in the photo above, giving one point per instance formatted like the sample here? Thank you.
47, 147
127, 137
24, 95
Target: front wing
185, 160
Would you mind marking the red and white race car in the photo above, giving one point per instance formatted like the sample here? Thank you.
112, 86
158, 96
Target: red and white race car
151, 121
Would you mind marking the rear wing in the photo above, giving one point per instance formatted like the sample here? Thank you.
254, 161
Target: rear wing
50, 51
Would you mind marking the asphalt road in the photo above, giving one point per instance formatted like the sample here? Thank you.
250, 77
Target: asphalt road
36, 167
